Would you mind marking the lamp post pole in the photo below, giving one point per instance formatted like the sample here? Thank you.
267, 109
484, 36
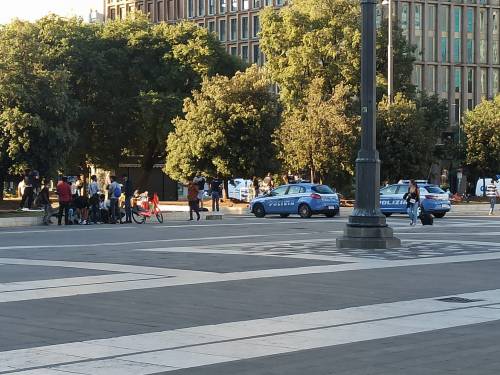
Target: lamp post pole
367, 227
390, 77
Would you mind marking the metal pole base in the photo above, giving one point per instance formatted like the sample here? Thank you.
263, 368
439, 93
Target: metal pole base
376, 235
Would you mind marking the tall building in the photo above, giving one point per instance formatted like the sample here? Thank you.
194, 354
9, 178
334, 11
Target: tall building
457, 49
457, 42
236, 22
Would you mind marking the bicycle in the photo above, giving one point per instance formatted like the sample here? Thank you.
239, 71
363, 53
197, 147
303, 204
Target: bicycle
147, 208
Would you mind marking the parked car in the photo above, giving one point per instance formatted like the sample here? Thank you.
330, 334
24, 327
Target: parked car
433, 199
304, 199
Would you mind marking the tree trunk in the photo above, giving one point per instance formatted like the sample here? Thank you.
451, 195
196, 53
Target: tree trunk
2, 181
147, 164
312, 175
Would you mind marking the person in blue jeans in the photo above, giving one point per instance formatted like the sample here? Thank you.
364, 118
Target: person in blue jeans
216, 189
412, 201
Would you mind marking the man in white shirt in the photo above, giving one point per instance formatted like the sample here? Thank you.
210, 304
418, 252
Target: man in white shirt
492, 194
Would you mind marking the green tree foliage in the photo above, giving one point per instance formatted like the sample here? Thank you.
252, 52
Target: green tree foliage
404, 139
311, 39
319, 136
227, 128
482, 129
36, 107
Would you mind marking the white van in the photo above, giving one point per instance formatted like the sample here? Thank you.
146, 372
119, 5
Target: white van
239, 188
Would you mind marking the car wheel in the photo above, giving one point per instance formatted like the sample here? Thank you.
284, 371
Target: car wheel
387, 214
304, 211
331, 214
439, 215
258, 210
284, 215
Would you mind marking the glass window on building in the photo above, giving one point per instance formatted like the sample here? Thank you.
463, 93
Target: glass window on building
244, 28
222, 30
458, 19
268, 2
234, 51
418, 16
256, 3
244, 53
431, 33
470, 80
483, 22
470, 51
482, 51
233, 28
190, 8
445, 79
494, 51
458, 79
245, 4
444, 49
456, 49
211, 6
417, 76
201, 8
234, 5
256, 54
279, 3
470, 104
495, 82
457, 111
431, 78
256, 26
404, 19
484, 83
494, 20
211, 26
470, 20
222, 6
444, 20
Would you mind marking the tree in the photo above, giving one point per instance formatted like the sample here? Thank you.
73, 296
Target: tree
35, 105
482, 129
311, 39
405, 140
319, 136
227, 128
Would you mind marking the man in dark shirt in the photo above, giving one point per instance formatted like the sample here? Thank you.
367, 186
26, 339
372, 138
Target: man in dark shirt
216, 188
128, 190
27, 199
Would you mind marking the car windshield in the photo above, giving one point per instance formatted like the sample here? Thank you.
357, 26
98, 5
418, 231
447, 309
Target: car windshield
434, 190
322, 189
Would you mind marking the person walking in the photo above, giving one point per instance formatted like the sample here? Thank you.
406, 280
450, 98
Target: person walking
412, 198
27, 198
94, 199
255, 184
44, 201
194, 205
216, 189
128, 190
64, 196
200, 181
492, 193
114, 193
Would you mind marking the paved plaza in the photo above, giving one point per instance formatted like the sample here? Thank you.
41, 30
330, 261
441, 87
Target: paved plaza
246, 296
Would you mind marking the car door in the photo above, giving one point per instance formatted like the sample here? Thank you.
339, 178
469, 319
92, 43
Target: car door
388, 199
291, 199
274, 202
399, 202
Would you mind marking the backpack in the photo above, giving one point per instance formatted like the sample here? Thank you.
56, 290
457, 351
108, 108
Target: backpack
118, 191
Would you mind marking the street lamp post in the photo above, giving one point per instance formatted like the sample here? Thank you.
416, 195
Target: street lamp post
390, 64
367, 227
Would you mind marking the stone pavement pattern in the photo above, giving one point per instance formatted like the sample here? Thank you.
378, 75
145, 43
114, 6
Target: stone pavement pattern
250, 296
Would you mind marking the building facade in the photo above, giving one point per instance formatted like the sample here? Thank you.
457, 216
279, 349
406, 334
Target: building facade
457, 42
236, 22
457, 49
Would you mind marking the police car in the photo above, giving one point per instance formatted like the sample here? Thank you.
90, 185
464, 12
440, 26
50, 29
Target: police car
433, 199
305, 199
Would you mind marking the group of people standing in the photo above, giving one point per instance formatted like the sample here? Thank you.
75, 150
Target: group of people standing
90, 205
196, 193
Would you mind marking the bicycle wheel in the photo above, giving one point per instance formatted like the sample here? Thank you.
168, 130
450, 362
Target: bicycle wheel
159, 216
138, 218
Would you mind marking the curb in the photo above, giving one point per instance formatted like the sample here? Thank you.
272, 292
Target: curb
19, 221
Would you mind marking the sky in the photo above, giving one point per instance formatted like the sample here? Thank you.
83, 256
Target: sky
34, 9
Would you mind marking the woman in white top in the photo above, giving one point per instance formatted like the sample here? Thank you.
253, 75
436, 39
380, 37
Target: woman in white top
492, 193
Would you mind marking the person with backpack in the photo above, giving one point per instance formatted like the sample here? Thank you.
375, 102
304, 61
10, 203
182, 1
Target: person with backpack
194, 205
216, 189
492, 193
412, 198
199, 180
114, 193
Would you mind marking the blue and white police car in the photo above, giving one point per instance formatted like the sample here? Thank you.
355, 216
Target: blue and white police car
433, 199
305, 199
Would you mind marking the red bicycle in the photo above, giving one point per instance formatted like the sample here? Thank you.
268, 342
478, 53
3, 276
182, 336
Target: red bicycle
145, 207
